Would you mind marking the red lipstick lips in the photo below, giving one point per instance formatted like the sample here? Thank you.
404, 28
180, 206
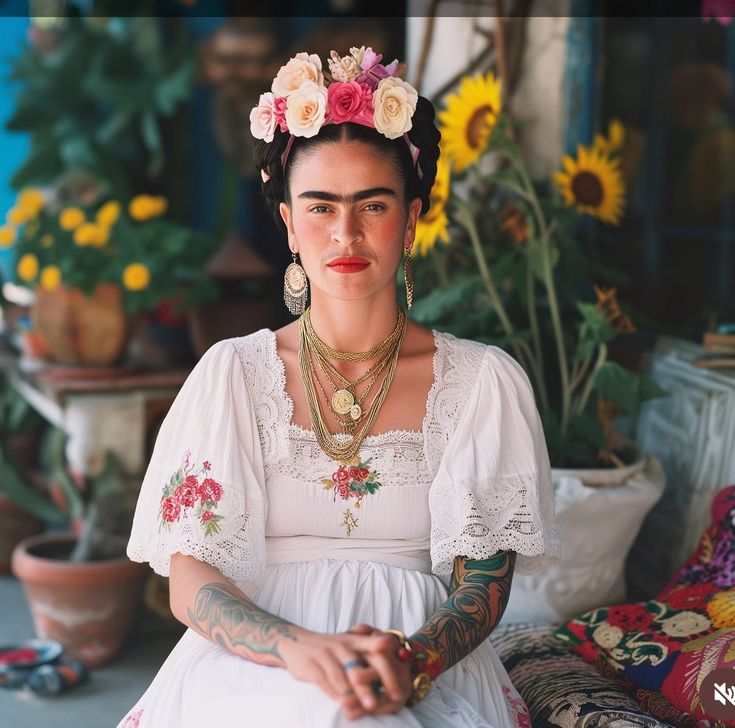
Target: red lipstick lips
349, 264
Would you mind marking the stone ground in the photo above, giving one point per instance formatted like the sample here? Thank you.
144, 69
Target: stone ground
111, 690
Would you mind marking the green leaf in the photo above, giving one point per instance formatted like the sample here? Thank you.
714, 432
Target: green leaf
625, 388
24, 495
445, 299
596, 323
536, 256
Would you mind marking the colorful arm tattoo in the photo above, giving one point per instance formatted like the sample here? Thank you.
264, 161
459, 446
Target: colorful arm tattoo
224, 614
478, 595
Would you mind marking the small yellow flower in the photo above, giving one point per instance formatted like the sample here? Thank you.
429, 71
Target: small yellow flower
28, 267
108, 214
90, 234
7, 236
136, 277
71, 218
47, 240
51, 277
17, 216
144, 207
31, 200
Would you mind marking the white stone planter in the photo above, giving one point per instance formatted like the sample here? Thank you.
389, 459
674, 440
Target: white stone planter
599, 514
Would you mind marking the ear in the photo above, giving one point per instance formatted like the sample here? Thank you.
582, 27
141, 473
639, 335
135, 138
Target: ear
285, 212
414, 210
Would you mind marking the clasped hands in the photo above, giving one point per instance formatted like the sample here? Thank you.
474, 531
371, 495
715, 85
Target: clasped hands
359, 668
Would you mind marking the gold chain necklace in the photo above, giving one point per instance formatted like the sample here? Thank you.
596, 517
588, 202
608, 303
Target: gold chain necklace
343, 399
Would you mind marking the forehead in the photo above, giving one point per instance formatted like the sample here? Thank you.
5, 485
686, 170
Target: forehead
343, 166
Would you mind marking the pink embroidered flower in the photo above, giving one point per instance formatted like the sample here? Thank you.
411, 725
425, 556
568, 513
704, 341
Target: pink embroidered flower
343, 490
187, 493
341, 475
207, 465
362, 473
170, 510
207, 516
133, 719
347, 100
353, 471
210, 490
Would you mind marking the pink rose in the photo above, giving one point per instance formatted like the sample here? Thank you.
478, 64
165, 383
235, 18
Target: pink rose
341, 476
170, 510
353, 471
346, 100
363, 473
210, 490
343, 489
207, 516
192, 481
186, 494
262, 118
279, 112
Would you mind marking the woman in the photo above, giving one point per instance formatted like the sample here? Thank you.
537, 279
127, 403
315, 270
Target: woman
341, 503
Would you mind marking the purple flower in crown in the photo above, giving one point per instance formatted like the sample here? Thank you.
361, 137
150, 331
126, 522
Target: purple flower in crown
373, 70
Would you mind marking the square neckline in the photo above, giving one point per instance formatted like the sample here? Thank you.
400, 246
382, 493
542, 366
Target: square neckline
377, 438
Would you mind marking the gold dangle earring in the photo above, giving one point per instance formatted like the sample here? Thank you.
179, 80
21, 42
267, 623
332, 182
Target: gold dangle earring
408, 278
295, 287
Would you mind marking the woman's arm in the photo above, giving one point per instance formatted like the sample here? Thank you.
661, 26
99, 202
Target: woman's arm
478, 595
203, 599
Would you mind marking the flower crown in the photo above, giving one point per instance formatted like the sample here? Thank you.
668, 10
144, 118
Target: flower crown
361, 90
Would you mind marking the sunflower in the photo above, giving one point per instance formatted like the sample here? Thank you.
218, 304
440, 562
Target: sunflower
469, 118
615, 137
594, 183
434, 223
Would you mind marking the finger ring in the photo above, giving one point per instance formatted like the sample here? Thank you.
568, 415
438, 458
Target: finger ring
377, 687
355, 662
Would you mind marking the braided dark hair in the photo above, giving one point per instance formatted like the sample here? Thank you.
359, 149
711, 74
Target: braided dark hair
423, 134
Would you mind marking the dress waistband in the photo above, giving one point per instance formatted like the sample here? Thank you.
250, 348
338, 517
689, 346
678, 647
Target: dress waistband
405, 554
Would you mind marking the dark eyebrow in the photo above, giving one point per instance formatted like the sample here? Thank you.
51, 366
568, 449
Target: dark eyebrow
347, 199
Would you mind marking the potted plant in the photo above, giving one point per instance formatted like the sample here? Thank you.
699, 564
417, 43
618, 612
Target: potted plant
94, 266
23, 506
101, 99
81, 588
515, 273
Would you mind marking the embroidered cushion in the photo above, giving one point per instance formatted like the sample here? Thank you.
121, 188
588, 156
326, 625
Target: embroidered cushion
665, 647
560, 688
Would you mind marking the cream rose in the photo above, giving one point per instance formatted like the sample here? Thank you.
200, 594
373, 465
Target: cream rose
394, 102
358, 54
263, 117
344, 69
301, 68
306, 109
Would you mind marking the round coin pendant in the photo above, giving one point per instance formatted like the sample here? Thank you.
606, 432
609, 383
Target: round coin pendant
355, 411
342, 401
295, 279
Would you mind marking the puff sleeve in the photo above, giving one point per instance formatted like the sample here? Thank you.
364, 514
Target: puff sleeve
492, 490
203, 490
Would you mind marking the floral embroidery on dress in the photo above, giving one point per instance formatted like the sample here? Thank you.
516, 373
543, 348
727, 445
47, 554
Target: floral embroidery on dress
190, 487
133, 719
353, 479
518, 707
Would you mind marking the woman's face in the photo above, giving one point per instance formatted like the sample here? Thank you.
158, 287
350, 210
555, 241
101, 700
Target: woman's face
347, 200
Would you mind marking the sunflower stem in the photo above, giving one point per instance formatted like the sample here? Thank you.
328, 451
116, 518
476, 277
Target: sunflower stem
601, 358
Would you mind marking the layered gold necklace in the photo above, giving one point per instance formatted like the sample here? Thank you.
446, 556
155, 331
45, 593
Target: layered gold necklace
353, 478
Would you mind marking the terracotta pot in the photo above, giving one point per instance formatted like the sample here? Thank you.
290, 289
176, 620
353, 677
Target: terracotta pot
81, 329
15, 525
88, 606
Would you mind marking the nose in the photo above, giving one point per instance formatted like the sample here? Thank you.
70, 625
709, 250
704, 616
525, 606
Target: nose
347, 228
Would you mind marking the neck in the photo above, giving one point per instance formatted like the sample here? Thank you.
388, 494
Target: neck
355, 325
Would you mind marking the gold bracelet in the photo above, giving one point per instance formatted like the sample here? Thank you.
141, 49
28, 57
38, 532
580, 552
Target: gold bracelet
421, 682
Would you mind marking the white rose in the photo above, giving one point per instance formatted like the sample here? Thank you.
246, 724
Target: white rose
306, 108
302, 67
343, 69
262, 118
394, 102
357, 54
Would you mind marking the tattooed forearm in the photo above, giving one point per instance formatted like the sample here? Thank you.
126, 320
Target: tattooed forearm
227, 617
478, 594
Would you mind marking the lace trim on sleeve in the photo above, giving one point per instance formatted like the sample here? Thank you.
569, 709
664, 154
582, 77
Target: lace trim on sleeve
503, 514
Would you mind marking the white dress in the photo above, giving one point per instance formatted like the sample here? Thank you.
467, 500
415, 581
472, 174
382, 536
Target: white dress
233, 482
